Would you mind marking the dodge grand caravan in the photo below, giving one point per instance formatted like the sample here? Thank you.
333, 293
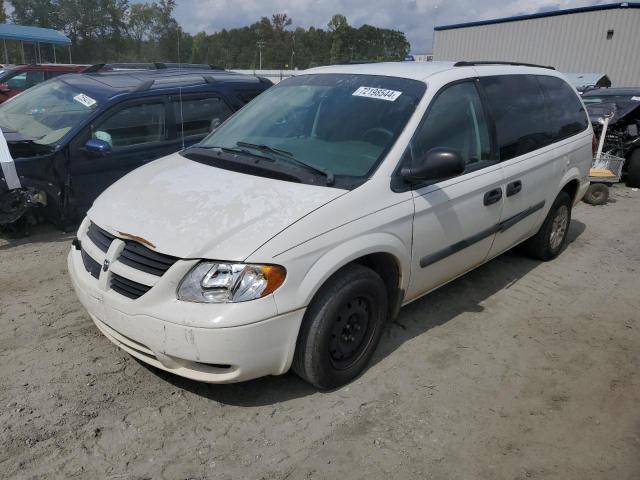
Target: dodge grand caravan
290, 235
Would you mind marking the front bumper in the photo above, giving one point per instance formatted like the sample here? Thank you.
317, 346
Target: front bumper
215, 354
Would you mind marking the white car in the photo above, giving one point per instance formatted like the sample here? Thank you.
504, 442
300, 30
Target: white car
295, 231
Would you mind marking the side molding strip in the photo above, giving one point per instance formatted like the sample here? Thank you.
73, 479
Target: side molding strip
510, 222
467, 242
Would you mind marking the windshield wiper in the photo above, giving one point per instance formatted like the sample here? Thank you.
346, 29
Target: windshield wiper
289, 156
235, 151
265, 148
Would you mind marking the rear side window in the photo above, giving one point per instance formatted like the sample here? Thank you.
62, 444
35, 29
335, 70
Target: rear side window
519, 109
198, 116
25, 80
566, 114
55, 74
246, 96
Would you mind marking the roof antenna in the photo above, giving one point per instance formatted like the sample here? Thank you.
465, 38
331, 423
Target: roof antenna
181, 117
179, 63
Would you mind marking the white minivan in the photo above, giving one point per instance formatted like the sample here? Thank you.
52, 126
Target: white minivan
296, 230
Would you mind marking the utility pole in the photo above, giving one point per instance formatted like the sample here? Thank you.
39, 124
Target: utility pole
293, 51
433, 32
260, 44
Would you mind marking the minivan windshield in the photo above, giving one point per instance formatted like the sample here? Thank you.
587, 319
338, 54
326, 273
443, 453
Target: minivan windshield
47, 112
333, 126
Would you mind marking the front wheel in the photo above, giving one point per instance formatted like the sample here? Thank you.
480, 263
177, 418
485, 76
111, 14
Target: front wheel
341, 328
548, 242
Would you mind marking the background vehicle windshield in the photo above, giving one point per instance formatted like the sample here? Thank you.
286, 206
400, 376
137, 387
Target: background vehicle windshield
340, 123
591, 99
47, 112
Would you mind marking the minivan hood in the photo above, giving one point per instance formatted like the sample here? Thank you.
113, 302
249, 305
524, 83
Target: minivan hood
191, 210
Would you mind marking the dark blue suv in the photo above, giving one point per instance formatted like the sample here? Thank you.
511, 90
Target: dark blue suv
70, 138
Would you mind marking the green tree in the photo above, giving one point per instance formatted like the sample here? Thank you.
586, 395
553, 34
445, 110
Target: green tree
168, 32
342, 47
146, 31
337, 23
141, 23
41, 13
3, 13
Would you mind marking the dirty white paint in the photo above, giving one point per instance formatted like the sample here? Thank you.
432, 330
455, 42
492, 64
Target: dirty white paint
9, 171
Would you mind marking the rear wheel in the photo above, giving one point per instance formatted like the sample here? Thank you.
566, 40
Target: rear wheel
597, 194
548, 242
341, 328
633, 169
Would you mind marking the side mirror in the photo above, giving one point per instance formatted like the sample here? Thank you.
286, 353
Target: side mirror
99, 147
4, 88
438, 164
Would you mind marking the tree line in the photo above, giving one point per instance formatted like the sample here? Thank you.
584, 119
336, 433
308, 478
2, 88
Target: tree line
103, 31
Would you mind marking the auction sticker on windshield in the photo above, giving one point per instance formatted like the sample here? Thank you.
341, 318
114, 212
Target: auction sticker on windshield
84, 100
379, 93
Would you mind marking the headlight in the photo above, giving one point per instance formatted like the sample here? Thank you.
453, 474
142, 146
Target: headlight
219, 282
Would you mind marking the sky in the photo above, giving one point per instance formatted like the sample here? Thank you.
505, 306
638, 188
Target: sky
415, 18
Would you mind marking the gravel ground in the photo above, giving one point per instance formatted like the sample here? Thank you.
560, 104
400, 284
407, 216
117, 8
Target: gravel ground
517, 370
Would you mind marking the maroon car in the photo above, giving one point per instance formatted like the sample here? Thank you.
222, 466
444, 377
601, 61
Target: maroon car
17, 78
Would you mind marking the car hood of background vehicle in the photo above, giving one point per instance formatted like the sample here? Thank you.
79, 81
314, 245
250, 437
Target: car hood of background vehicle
191, 210
621, 110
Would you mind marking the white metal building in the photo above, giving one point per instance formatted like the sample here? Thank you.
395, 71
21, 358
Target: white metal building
602, 38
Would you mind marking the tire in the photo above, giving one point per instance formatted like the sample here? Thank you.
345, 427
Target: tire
633, 169
341, 328
552, 236
597, 194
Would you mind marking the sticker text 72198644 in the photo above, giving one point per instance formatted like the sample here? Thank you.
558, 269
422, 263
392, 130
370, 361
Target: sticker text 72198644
379, 93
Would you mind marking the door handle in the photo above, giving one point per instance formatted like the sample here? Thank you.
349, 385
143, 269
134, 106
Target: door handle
514, 187
492, 196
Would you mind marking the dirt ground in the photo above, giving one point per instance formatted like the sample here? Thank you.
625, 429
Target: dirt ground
518, 370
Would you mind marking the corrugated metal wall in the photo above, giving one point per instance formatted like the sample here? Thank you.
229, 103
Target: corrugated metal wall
572, 43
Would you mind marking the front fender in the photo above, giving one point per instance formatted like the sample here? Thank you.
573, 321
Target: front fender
304, 283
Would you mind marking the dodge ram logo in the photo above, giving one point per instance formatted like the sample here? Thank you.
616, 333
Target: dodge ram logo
105, 265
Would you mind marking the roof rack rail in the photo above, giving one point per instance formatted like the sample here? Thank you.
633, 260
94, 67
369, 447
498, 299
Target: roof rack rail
98, 67
487, 62
186, 66
144, 86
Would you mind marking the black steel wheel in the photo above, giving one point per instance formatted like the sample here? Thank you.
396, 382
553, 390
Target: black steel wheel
350, 332
341, 328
